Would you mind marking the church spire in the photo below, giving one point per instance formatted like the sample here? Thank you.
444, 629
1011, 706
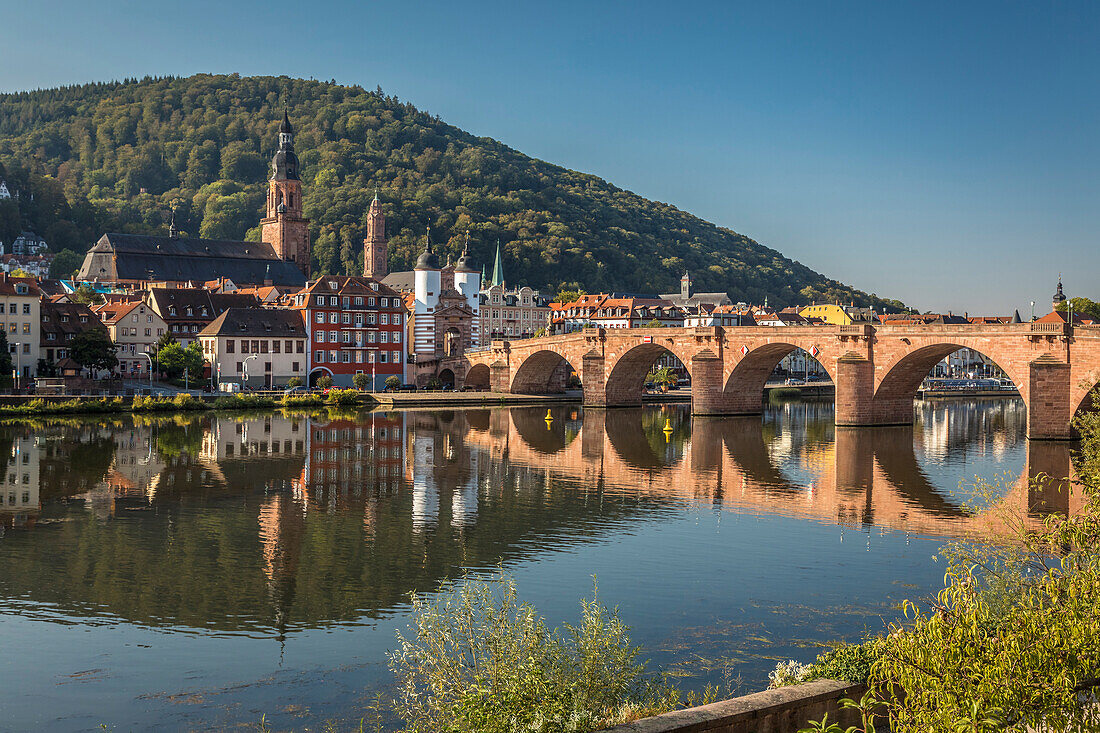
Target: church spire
375, 245
498, 268
284, 164
427, 259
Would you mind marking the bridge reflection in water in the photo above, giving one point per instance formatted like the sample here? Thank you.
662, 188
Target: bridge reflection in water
137, 548
276, 522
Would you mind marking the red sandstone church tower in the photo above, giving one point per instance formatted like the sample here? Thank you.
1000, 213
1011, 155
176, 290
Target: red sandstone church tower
284, 228
375, 248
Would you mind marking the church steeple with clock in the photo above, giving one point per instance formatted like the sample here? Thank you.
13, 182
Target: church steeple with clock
284, 227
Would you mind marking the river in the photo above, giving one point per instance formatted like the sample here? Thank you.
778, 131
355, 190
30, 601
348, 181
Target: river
199, 572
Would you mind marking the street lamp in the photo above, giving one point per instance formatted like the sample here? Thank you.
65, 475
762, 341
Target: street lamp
146, 355
1033, 310
244, 368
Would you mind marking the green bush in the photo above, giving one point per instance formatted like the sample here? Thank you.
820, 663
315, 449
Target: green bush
393, 382
303, 400
344, 397
480, 661
294, 382
324, 382
360, 381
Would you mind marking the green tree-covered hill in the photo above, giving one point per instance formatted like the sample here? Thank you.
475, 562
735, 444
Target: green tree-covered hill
119, 156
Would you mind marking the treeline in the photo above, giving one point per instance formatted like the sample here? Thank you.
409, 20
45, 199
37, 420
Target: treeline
122, 155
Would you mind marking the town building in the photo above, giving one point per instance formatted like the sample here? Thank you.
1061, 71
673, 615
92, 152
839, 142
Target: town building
838, 315
4, 192
688, 299
281, 258
510, 313
29, 244
61, 321
256, 347
134, 328
608, 310
354, 325
37, 265
726, 316
187, 311
21, 316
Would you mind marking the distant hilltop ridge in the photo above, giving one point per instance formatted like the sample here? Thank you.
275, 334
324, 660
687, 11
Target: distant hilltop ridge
119, 156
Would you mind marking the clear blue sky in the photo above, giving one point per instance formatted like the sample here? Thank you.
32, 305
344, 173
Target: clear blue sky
944, 153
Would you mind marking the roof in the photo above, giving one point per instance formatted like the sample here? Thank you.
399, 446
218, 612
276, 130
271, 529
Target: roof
9, 285
156, 257
402, 282
270, 322
163, 299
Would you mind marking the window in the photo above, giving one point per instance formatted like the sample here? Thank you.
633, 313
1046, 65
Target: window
382, 357
320, 336
359, 301
319, 357
384, 319
230, 346
370, 337
358, 319
370, 318
263, 346
244, 346
289, 346
332, 300
293, 366
26, 328
358, 357
370, 356
50, 337
345, 356
148, 332
346, 318
134, 318
320, 300
276, 346
370, 302
333, 337
301, 346
397, 357
382, 337
334, 356
320, 317
240, 369
346, 337
345, 302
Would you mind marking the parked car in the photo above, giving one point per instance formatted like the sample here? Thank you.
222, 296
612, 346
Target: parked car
407, 388
794, 381
296, 390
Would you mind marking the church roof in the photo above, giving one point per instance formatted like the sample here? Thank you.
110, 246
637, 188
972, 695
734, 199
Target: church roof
160, 257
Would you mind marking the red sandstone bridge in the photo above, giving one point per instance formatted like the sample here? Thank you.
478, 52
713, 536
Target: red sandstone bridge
876, 370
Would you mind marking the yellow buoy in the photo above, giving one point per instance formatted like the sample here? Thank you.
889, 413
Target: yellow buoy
668, 430
549, 419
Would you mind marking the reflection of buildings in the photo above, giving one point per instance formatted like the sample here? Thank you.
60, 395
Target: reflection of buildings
19, 492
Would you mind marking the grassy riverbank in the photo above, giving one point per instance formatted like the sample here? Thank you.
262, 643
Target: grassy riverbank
183, 402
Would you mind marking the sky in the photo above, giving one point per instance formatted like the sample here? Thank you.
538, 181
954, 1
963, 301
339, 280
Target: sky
942, 153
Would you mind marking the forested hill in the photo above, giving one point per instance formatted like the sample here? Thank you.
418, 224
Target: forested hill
118, 156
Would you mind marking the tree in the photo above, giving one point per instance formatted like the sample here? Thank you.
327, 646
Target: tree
65, 264
93, 350
324, 382
5, 355
654, 323
568, 296
1082, 307
84, 294
20, 272
173, 360
393, 382
662, 376
294, 382
360, 381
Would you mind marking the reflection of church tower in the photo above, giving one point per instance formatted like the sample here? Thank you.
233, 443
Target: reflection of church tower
284, 228
375, 249
282, 525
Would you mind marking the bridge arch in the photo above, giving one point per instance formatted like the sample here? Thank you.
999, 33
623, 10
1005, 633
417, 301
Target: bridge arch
743, 384
896, 382
626, 372
543, 372
477, 377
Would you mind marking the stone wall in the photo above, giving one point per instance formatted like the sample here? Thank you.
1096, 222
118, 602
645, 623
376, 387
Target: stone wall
785, 710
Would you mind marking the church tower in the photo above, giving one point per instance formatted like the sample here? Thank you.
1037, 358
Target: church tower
284, 228
375, 247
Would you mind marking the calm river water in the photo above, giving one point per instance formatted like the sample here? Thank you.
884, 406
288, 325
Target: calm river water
199, 572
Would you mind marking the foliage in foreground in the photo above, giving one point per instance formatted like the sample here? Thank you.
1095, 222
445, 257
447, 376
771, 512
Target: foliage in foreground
1012, 642
480, 661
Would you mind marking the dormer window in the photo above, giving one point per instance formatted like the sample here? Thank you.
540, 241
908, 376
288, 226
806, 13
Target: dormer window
333, 285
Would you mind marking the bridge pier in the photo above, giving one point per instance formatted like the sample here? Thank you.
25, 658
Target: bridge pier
708, 398
499, 377
1048, 408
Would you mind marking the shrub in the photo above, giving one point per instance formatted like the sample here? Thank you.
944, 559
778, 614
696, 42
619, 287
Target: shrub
294, 382
393, 382
344, 397
185, 401
324, 382
303, 400
480, 661
360, 381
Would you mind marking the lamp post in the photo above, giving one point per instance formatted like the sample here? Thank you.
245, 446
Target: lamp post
146, 355
244, 368
1033, 310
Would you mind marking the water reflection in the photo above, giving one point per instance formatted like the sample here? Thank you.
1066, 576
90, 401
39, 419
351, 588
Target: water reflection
240, 523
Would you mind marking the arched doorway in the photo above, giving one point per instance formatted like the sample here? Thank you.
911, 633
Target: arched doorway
447, 378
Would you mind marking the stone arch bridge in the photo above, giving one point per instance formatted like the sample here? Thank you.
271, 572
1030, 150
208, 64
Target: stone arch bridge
876, 369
